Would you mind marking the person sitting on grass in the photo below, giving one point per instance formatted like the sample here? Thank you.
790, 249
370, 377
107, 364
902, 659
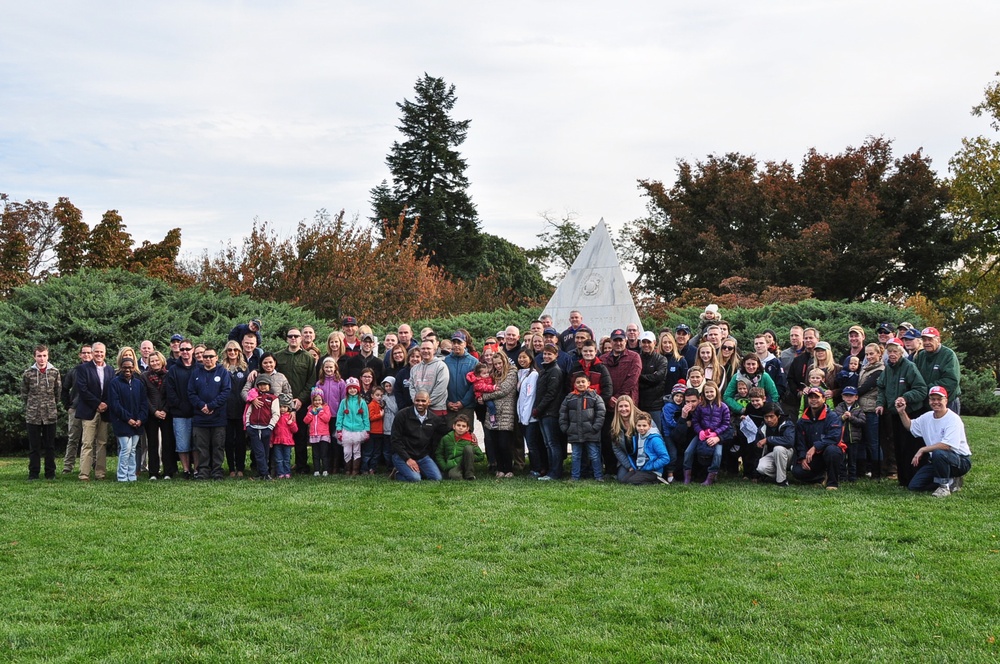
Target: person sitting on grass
776, 441
711, 426
458, 452
818, 448
943, 433
646, 457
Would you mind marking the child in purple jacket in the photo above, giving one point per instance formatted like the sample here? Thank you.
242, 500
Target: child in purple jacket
710, 422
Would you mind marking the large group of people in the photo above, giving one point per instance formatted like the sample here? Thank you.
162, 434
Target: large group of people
644, 408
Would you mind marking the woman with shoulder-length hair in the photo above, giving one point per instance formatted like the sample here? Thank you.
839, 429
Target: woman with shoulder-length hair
729, 359
236, 441
159, 424
641, 451
335, 349
708, 361
868, 400
531, 428
499, 431
677, 366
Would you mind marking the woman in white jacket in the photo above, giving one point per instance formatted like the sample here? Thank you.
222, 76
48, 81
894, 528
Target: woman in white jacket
527, 377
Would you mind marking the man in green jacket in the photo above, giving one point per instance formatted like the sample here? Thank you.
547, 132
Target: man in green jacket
900, 384
939, 366
299, 367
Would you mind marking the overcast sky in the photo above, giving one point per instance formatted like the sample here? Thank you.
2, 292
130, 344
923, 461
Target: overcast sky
207, 114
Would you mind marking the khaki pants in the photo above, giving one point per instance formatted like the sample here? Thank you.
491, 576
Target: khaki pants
74, 434
95, 444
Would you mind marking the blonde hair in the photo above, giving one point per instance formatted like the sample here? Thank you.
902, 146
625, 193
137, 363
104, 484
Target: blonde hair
620, 426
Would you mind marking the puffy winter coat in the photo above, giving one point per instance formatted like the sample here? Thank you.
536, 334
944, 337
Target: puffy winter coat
505, 399
549, 390
581, 417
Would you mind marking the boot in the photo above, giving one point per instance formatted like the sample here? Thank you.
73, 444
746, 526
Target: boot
710, 480
687, 477
355, 467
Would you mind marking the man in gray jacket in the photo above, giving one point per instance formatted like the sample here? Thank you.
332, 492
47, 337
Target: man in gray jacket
431, 376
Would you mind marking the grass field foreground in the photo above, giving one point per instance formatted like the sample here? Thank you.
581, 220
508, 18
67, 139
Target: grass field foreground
365, 569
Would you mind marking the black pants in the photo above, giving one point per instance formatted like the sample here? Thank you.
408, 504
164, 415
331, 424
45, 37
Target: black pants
236, 446
160, 446
499, 443
824, 464
302, 441
41, 440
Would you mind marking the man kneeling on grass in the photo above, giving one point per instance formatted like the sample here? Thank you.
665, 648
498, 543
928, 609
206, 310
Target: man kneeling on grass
943, 433
817, 442
415, 435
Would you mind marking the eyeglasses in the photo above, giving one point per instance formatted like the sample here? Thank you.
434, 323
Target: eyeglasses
729, 348
186, 350
206, 356
232, 350
293, 336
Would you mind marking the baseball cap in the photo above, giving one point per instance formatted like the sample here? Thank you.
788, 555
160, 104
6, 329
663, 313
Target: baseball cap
683, 327
910, 334
458, 336
857, 328
885, 327
904, 326
895, 341
938, 390
824, 345
550, 332
850, 390
617, 334
648, 336
367, 337
813, 390
930, 332
349, 320
177, 337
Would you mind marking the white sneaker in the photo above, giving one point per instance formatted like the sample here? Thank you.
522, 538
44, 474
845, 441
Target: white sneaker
316, 474
942, 491
166, 477
325, 474
153, 478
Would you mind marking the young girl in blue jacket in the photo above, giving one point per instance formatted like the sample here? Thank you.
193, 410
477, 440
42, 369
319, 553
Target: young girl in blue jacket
647, 457
353, 426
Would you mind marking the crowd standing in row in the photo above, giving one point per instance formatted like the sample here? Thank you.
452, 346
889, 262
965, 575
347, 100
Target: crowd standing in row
643, 408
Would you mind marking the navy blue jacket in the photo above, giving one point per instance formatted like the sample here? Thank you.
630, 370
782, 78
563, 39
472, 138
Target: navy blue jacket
90, 395
128, 401
211, 388
178, 402
819, 432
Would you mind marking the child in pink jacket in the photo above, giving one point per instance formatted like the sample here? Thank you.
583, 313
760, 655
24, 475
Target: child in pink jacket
318, 420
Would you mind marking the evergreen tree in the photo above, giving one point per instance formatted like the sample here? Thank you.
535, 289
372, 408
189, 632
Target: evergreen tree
71, 249
109, 245
428, 179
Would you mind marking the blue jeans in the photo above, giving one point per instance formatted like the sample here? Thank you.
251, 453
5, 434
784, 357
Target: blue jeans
689, 455
428, 469
552, 438
944, 466
871, 437
182, 434
260, 443
126, 457
283, 459
594, 452
371, 451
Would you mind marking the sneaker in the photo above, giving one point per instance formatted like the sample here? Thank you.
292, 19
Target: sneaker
166, 477
316, 474
325, 474
152, 478
832, 488
942, 491
544, 478
535, 474
782, 484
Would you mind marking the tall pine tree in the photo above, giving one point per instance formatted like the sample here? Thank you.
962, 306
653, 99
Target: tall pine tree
429, 182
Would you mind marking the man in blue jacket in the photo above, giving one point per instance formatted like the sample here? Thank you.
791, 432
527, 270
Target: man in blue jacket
92, 384
817, 442
461, 397
208, 392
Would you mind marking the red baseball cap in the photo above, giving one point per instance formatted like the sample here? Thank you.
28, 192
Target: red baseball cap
930, 332
938, 390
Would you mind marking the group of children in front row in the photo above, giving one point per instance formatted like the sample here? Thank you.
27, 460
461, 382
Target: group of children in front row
358, 418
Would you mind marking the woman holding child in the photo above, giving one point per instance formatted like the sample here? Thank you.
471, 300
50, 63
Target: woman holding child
499, 431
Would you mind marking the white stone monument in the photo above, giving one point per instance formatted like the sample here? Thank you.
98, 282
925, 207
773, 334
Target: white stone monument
596, 287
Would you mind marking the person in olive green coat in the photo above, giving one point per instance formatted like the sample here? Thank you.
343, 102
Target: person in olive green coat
900, 383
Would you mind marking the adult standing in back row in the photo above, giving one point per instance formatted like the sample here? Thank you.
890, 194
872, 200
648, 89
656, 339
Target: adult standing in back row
939, 367
299, 368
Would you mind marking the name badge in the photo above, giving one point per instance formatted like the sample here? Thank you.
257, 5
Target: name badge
218, 379
936, 367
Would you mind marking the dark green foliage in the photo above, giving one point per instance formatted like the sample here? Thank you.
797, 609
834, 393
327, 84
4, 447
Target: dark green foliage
120, 309
428, 178
508, 264
978, 394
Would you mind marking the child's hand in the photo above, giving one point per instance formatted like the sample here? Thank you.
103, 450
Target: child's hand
340, 435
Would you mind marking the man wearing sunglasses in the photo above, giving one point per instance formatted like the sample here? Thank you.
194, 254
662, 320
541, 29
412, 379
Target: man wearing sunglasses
208, 392
179, 405
299, 367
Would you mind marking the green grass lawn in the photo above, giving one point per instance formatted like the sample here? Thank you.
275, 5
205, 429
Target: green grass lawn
370, 570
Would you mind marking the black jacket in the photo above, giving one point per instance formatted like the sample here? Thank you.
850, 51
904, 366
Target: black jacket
549, 390
413, 439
